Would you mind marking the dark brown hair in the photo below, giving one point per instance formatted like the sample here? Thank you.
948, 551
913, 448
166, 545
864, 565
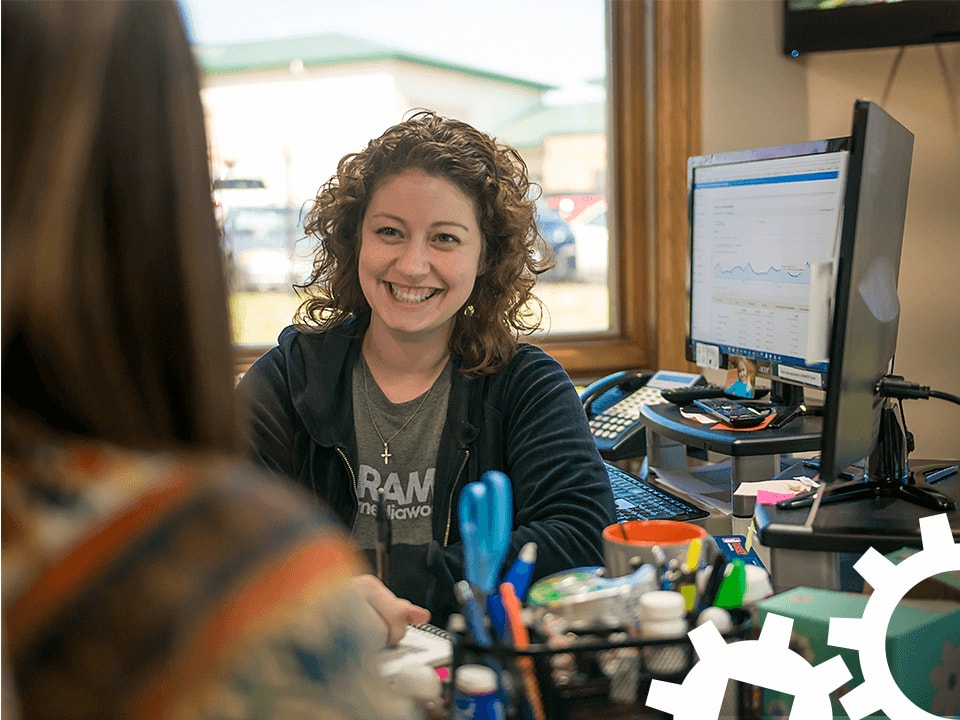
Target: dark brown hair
502, 305
115, 323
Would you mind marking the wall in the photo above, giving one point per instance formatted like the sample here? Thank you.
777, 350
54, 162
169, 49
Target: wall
752, 95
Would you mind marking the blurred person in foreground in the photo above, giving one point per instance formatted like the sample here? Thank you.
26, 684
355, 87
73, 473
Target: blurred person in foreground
147, 569
404, 372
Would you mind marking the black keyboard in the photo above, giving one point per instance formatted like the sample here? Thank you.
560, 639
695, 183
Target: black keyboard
639, 500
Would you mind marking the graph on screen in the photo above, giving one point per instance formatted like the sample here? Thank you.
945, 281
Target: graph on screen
759, 230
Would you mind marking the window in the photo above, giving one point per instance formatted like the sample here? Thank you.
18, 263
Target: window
287, 111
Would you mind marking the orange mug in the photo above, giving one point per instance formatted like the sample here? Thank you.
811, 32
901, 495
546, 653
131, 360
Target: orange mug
630, 544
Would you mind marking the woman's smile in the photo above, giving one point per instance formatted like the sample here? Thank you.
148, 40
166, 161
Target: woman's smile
414, 295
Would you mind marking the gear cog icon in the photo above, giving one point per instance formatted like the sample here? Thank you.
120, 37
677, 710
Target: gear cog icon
867, 635
767, 662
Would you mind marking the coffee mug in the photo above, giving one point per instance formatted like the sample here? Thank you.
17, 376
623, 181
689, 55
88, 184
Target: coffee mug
630, 544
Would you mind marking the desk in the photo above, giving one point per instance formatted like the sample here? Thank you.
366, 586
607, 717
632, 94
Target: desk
814, 556
754, 454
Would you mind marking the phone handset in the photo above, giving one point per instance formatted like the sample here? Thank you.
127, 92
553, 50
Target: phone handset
613, 405
611, 389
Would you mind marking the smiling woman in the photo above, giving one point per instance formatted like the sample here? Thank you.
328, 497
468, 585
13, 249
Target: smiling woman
405, 373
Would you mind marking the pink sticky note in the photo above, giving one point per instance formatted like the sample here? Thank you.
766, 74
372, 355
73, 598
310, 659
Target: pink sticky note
768, 497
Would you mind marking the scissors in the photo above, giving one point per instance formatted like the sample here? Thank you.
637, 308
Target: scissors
486, 520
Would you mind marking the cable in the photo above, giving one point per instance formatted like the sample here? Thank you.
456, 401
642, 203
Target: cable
945, 396
892, 74
894, 386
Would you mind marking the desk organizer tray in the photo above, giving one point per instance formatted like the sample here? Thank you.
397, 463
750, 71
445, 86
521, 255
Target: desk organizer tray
603, 674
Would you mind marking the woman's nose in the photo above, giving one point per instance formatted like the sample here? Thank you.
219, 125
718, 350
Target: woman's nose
414, 258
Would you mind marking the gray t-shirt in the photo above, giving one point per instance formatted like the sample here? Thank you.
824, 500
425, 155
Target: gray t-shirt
405, 469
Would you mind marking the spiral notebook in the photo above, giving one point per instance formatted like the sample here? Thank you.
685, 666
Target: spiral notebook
422, 645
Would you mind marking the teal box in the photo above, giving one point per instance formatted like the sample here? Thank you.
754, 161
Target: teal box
922, 643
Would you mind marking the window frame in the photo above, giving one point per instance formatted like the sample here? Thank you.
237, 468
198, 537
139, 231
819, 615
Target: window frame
653, 100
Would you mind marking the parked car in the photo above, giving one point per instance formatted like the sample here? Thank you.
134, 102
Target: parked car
559, 236
261, 250
228, 193
592, 242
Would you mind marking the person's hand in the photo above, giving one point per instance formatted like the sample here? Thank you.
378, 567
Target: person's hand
396, 612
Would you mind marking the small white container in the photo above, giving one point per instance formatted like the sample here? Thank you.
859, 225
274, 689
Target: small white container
662, 617
476, 695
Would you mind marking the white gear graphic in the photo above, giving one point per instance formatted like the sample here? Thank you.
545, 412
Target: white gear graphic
868, 634
766, 662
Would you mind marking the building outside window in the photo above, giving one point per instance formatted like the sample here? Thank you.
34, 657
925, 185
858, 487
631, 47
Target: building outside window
289, 89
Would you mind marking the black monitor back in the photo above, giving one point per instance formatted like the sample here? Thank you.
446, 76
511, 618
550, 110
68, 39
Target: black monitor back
866, 316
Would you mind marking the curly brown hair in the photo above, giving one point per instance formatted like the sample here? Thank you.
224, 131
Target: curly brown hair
502, 306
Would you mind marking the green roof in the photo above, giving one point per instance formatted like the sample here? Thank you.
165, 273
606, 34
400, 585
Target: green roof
324, 50
529, 129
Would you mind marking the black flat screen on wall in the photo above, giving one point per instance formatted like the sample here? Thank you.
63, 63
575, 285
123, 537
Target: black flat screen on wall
818, 25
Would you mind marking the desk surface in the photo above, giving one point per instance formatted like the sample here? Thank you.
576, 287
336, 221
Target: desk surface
801, 435
885, 524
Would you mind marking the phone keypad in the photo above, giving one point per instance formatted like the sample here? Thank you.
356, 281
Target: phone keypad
625, 413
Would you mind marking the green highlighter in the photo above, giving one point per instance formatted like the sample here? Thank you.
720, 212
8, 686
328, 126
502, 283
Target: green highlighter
733, 587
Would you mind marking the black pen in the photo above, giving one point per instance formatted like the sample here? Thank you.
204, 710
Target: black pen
383, 537
712, 585
779, 422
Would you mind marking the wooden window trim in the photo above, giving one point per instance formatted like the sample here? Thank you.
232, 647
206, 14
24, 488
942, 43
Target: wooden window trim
650, 42
654, 54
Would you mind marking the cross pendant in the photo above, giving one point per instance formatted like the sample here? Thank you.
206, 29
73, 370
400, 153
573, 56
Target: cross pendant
386, 454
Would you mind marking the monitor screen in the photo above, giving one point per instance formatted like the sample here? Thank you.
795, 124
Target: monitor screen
867, 314
764, 228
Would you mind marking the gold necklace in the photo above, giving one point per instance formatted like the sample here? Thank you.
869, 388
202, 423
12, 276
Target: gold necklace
386, 454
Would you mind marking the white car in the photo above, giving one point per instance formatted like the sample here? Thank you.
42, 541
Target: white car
592, 240
229, 193
261, 249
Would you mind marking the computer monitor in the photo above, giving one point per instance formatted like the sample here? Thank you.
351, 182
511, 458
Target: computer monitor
859, 421
764, 229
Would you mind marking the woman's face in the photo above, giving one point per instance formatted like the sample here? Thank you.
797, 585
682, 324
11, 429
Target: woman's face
420, 253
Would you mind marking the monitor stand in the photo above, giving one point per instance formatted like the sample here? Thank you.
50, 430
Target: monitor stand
888, 473
785, 394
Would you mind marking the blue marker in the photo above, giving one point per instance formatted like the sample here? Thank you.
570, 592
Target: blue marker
521, 572
472, 613
497, 614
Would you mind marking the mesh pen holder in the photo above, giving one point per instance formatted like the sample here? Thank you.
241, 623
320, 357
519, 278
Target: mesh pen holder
602, 673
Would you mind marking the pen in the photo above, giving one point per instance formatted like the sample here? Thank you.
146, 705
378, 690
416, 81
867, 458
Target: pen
938, 474
712, 585
383, 537
779, 422
521, 572
521, 639
472, 613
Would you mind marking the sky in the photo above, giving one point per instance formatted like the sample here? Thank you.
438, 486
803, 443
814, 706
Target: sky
556, 42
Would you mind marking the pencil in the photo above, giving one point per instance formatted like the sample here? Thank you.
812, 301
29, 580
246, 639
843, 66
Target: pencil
521, 639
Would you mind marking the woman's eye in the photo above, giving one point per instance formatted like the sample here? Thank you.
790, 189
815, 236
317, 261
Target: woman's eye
445, 239
388, 232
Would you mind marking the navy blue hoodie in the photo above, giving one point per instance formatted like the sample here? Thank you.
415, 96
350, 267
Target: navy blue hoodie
526, 421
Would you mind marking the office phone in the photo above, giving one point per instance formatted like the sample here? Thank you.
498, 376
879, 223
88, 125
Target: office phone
613, 405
